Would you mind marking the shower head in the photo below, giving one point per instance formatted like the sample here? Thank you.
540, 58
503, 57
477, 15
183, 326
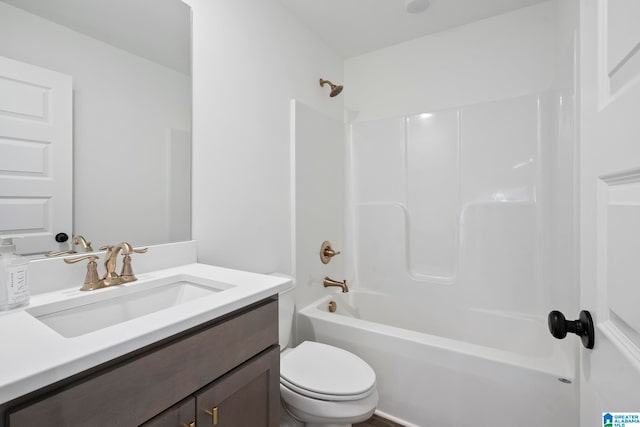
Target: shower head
335, 90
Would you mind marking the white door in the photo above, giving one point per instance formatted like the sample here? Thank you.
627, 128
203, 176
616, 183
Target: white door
35, 155
610, 207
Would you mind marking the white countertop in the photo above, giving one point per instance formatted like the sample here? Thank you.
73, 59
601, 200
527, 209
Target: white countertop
35, 356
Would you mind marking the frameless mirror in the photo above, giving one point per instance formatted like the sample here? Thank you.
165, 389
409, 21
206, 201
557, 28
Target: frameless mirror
130, 64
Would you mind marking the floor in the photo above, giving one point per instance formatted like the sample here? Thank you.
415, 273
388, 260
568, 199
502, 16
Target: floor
377, 421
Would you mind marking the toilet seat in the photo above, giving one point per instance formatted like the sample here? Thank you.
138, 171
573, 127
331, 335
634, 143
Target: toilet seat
324, 372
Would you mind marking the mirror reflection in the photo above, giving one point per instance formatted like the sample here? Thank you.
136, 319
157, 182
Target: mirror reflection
131, 87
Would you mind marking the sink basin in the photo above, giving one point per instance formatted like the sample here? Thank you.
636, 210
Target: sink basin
100, 309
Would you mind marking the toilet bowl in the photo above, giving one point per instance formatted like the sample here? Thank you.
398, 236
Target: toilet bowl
321, 385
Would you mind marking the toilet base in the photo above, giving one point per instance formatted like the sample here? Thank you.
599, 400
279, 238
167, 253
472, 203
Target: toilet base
322, 413
287, 420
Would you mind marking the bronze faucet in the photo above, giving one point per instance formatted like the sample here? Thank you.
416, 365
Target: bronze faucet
81, 241
76, 241
330, 282
110, 278
110, 259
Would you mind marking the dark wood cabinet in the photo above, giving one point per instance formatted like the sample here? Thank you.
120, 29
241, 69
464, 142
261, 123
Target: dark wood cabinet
242, 397
182, 414
229, 368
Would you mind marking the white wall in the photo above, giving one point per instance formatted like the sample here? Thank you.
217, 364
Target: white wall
501, 57
250, 59
318, 144
123, 106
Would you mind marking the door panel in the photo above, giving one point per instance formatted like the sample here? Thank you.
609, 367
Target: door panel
181, 414
610, 205
35, 155
248, 396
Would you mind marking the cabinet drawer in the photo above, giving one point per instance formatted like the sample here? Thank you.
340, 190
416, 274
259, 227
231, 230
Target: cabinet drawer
134, 391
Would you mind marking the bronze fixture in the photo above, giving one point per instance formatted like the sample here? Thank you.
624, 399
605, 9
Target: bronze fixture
76, 241
335, 89
332, 307
330, 282
67, 252
214, 414
91, 280
81, 241
110, 258
111, 278
327, 252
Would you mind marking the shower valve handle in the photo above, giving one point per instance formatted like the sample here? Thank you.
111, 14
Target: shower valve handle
327, 252
583, 327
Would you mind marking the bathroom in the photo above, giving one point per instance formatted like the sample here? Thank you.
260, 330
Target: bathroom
305, 168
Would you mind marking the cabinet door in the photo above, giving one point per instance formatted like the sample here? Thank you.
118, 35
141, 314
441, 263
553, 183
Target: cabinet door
181, 414
248, 396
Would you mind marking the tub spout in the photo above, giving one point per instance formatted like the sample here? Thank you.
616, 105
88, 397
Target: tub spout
330, 282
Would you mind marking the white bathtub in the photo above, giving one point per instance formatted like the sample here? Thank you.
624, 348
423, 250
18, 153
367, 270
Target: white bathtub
446, 367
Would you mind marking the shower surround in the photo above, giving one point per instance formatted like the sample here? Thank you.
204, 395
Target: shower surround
458, 214
451, 204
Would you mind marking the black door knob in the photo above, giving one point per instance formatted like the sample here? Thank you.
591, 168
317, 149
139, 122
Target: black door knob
583, 327
61, 237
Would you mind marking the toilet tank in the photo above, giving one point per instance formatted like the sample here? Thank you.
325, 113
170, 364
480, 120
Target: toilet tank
286, 311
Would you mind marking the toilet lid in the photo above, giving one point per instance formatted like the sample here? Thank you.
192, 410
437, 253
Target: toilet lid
321, 371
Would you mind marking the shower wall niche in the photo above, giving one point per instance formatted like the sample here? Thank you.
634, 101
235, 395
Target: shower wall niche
460, 203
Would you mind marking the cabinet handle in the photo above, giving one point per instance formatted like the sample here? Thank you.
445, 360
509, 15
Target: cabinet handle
214, 415
191, 424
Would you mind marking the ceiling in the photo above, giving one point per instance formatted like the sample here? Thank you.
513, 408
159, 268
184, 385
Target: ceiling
161, 33
354, 27
351, 27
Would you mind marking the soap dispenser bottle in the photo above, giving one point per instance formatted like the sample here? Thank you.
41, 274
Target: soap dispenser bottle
14, 287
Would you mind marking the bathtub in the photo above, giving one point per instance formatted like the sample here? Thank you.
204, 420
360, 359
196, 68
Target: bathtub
445, 367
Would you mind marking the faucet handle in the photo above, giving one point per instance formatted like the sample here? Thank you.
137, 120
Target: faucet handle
126, 275
128, 249
67, 252
327, 252
91, 279
80, 258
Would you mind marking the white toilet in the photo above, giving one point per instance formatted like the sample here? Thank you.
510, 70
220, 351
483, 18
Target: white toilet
321, 385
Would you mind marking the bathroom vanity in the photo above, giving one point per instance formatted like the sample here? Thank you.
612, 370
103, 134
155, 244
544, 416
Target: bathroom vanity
213, 360
216, 368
